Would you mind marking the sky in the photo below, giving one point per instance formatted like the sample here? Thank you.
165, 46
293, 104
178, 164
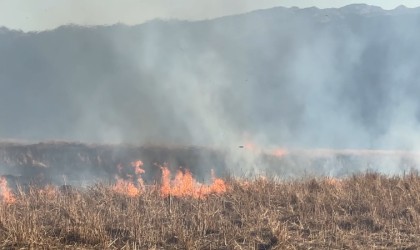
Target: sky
36, 15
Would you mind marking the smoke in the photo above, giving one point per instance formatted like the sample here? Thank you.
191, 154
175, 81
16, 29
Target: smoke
295, 78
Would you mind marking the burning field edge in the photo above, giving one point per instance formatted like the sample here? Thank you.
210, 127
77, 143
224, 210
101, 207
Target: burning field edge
153, 204
84, 164
362, 211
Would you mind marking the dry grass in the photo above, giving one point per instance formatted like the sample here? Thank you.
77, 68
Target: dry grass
362, 212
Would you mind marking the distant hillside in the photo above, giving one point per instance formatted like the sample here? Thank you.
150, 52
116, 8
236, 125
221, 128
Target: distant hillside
345, 77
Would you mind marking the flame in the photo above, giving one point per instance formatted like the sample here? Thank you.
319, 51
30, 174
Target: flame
5, 192
279, 152
137, 167
127, 187
250, 146
257, 149
165, 189
184, 185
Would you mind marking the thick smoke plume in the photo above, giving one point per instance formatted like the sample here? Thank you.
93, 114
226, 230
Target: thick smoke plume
294, 78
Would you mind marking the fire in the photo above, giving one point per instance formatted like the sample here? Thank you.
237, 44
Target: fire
137, 167
5, 192
165, 189
257, 149
250, 146
279, 152
127, 187
184, 185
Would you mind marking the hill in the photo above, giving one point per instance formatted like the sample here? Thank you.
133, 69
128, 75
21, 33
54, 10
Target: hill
340, 78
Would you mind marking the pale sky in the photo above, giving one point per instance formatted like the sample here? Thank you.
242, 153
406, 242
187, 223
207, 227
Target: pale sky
30, 15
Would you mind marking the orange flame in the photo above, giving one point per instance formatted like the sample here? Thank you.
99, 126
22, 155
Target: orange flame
279, 152
257, 149
127, 187
165, 189
137, 167
184, 185
250, 146
5, 192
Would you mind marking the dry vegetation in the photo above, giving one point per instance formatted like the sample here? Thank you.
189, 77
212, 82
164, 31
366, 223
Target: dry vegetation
361, 212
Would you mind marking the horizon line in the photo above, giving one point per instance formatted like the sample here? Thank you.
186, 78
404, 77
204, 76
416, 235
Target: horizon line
161, 19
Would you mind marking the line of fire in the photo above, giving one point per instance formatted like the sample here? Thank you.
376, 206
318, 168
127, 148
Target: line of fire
183, 171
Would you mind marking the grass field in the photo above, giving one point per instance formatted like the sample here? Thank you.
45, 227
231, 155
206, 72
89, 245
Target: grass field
365, 211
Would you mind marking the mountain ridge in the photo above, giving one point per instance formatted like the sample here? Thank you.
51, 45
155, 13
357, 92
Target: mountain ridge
357, 9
